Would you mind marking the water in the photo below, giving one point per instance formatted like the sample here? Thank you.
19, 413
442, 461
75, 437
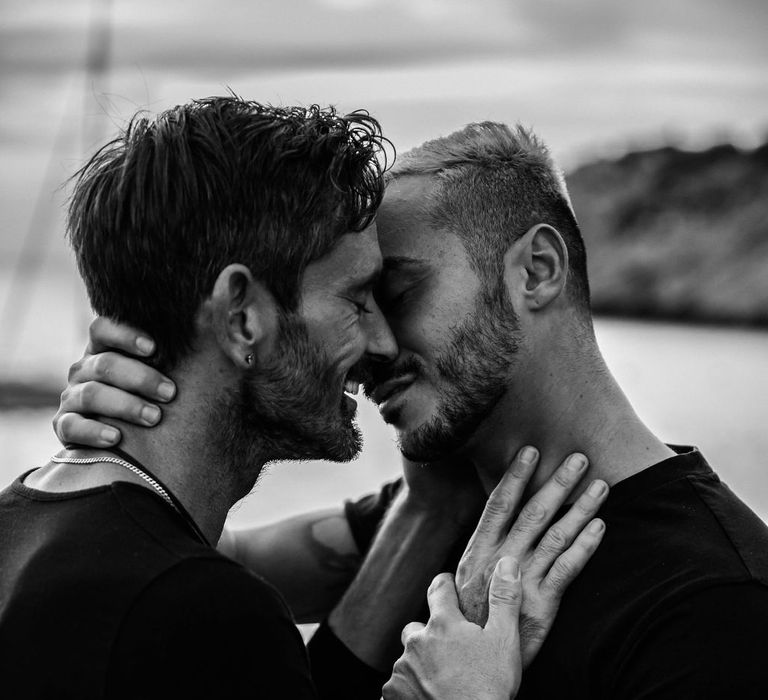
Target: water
693, 385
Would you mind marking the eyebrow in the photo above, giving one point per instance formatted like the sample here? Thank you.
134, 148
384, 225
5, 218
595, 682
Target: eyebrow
399, 262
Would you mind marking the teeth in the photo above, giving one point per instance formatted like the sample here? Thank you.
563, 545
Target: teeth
352, 387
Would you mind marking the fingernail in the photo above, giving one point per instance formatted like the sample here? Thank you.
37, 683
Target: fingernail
150, 414
577, 463
145, 345
529, 455
166, 390
596, 527
109, 435
509, 569
596, 489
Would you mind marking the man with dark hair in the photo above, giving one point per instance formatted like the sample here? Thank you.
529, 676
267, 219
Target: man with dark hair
485, 288
241, 237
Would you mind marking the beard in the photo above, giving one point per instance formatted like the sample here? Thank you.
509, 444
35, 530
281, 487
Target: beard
474, 371
291, 408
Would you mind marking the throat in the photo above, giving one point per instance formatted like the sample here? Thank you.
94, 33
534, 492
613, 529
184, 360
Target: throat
591, 417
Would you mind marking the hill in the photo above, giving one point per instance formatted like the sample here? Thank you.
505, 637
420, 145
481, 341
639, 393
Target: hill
677, 234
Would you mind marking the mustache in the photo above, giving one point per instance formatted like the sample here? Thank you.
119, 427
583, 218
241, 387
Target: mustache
380, 373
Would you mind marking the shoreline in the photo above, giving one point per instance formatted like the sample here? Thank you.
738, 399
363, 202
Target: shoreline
34, 393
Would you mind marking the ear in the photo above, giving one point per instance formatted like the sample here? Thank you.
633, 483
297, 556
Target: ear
536, 268
243, 316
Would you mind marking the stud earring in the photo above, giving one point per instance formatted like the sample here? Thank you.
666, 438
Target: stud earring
249, 359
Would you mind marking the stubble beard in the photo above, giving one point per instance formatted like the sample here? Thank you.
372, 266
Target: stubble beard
290, 409
474, 370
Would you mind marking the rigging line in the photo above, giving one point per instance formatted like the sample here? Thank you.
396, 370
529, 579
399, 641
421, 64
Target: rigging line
33, 251
30, 260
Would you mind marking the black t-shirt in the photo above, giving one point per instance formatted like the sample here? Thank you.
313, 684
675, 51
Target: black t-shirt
107, 593
674, 604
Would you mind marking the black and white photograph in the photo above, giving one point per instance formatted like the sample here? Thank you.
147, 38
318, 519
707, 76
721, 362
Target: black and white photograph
407, 350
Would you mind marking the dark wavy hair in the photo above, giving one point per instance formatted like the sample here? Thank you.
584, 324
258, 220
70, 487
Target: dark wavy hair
158, 212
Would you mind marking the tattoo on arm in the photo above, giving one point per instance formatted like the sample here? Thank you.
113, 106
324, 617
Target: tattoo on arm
319, 538
335, 561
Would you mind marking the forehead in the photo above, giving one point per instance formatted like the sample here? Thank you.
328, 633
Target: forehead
404, 225
355, 260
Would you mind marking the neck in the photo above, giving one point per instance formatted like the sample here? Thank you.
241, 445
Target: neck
181, 454
578, 407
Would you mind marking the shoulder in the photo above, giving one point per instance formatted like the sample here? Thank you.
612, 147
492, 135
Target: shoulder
211, 626
686, 533
214, 587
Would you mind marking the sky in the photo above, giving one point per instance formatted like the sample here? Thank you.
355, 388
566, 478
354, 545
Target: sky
592, 78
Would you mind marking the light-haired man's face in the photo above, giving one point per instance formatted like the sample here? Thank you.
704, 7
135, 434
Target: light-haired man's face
455, 347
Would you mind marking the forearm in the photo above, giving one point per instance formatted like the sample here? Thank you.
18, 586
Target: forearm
390, 588
310, 559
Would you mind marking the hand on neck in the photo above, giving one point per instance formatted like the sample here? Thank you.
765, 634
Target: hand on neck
180, 453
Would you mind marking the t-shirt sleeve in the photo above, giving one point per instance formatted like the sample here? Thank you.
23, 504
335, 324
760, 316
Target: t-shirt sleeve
208, 628
710, 645
365, 515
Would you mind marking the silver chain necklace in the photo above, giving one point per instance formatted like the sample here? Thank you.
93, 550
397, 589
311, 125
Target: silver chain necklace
131, 467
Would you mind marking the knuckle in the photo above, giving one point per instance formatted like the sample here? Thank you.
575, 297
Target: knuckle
74, 370
86, 394
562, 572
533, 512
498, 507
504, 594
440, 580
563, 478
519, 472
65, 398
555, 539
586, 505
101, 366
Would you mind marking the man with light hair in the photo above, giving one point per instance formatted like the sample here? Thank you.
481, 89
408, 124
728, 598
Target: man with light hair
485, 288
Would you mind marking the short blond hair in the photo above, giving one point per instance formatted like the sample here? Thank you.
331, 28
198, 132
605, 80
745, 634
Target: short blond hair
492, 184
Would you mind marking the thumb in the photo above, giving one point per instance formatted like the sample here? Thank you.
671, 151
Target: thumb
442, 598
505, 597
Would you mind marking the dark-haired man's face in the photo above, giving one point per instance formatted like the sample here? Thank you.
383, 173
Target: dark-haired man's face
457, 337
298, 404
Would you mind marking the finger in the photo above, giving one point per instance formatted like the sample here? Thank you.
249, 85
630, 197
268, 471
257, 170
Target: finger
409, 630
562, 534
541, 508
505, 499
106, 334
123, 372
443, 600
95, 399
73, 428
571, 562
505, 596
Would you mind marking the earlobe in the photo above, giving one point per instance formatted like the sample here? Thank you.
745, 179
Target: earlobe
243, 315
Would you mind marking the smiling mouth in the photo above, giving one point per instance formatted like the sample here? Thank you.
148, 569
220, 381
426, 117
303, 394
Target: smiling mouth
388, 389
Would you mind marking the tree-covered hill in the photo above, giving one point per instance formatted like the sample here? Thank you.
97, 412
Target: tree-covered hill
677, 234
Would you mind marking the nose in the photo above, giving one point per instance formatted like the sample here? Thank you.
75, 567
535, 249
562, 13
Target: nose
382, 345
